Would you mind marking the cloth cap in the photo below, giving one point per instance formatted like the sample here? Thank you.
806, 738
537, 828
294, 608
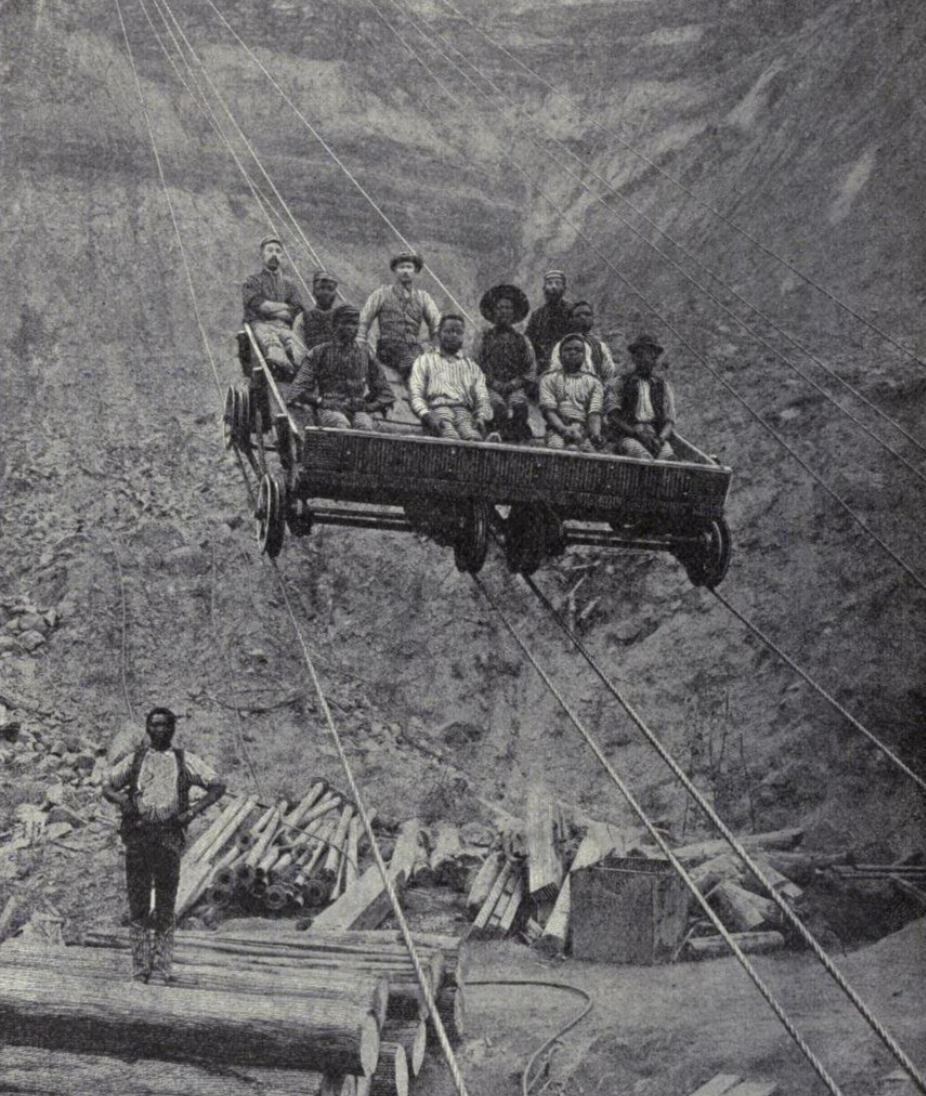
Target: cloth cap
574, 337
502, 293
551, 274
645, 342
345, 312
407, 257
323, 276
271, 239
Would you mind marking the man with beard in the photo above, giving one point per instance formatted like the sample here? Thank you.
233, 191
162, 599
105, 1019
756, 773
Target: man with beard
271, 305
571, 401
507, 359
598, 360
448, 391
400, 309
151, 787
342, 378
552, 321
316, 326
640, 408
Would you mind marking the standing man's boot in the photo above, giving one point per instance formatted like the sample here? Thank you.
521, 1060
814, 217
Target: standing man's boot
141, 952
164, 954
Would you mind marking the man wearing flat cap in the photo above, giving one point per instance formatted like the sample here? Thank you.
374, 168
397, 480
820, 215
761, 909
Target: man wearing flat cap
316, 326
342, 378
400, 309
507, 359
271, 305
639, 408
552, 321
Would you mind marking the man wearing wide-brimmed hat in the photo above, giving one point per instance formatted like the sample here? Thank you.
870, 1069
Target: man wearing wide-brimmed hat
317, 325
271, 305
639, 407
552, 321
400, 309
507, 359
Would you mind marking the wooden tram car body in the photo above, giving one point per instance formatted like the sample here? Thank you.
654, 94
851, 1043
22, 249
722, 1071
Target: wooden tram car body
535, 500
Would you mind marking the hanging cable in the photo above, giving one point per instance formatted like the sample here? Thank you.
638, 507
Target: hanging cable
820, 691
334, 156
912, 355
536, 128
733, 841
766, 426
657, 836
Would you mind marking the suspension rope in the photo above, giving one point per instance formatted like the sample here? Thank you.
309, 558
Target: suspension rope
766, 426
423, 980
539, 127
291, 217
657, 836
733, 841
912, 355
333, 155
820, 691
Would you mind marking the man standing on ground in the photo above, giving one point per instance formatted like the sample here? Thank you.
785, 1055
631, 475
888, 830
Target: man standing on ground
552, 321
571, 401
639, 408
342, 378
316, 326
507, 359
598, 360
271, 304
447, 390
152, 789
400, 309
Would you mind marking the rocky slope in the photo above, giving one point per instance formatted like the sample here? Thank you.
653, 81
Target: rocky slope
122, 513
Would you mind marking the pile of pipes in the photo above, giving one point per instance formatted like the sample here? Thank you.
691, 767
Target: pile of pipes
274, 859
345, 1007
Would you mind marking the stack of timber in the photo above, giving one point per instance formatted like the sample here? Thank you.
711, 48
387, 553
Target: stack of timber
369, 971
275, 859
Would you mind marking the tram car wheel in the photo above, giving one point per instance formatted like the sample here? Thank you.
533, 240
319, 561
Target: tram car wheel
236, 419
707, 562
271, 516
531, 534
471, 545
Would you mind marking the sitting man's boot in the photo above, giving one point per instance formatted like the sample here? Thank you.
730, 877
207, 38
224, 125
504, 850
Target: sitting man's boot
164, 955
141, 952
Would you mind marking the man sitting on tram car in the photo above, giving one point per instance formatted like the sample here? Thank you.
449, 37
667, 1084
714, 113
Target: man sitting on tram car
316, 326
271, 305
343, 379
640, 408
448, 390
551, 321
571, 401
507, 359
598, 359
400, 309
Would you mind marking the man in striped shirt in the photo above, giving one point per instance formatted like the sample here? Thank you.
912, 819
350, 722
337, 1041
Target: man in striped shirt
448, 390
598, 359
400, 309
342, 379
640, 408
571, 401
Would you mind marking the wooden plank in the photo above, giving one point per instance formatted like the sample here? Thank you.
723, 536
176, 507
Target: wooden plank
715, 947
364, 906
742, 910
754, 1088
484, 880
507, 917
775, 839
406, 847
556, 932
544, 867
482, 918
719, 1085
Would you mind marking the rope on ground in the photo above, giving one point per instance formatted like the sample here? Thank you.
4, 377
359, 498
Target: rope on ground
820, 691
333, 155
747, 406
537, 127
657, 836
733, 841
744, 233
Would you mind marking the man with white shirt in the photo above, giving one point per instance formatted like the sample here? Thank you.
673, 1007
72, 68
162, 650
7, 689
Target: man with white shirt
447, 390
639, 408
151, 787
399, 310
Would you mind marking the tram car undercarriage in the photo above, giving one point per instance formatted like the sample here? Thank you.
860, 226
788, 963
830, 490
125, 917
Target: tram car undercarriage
535, 501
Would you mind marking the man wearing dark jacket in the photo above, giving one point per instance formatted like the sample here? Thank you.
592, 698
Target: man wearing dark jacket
152, 789
507, 359
639, 408
552, 321
271, 305
316, 326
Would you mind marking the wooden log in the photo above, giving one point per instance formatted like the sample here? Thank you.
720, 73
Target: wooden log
715, 947
230, 831
208, 836
451, 1007
484, 880
754, 1088
719, 1085
268, 835
364, 906
802, 867
412, 1035
544, 867
507, 915
68, 1012
780, 882
30, 1071
369, 991
391, 1076
352, 867
742, 910
329, 869
298, 813
776, 839
316, 851
482, 918
193, 886
556, 932
406, 847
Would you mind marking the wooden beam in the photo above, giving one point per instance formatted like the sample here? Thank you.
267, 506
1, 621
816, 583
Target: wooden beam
364, 906
544, 867
719, 1085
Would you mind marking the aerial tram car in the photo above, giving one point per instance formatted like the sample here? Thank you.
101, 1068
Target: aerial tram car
535, 501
